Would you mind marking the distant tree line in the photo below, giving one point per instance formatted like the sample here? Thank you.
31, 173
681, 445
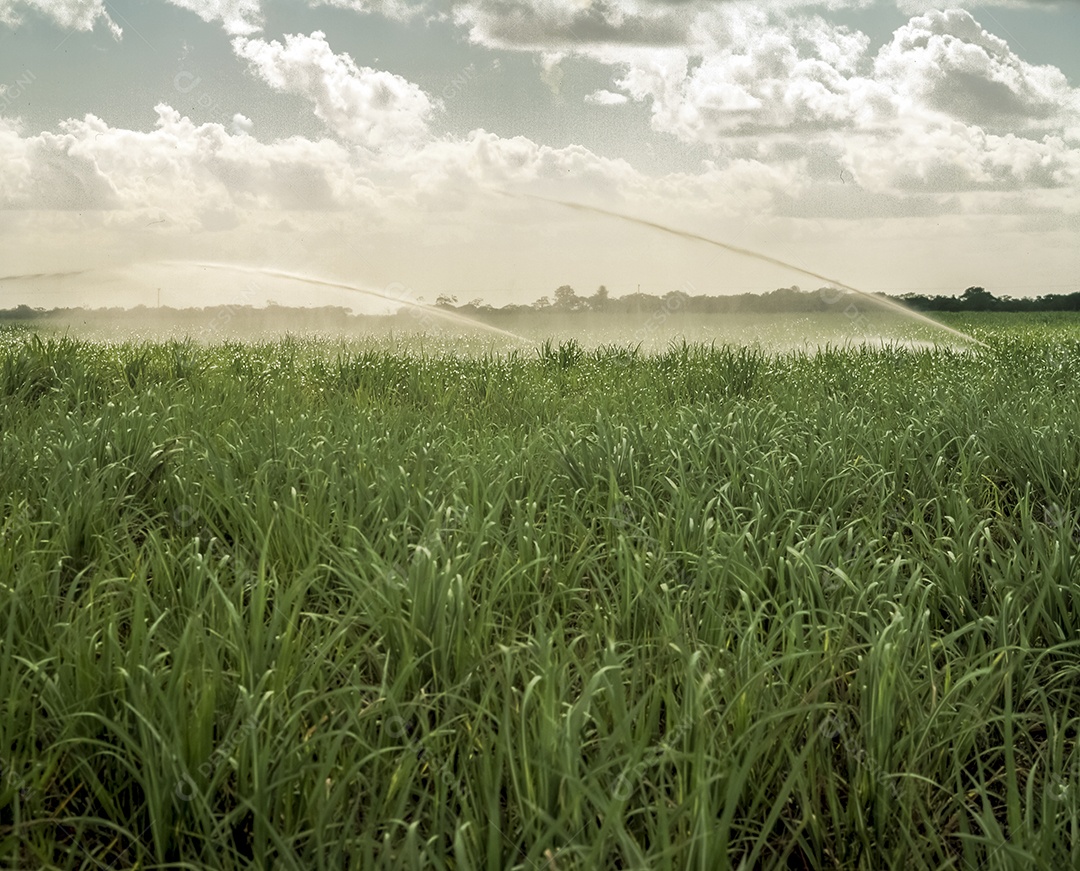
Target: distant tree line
21, 313
783, 299
978, 299
565, 300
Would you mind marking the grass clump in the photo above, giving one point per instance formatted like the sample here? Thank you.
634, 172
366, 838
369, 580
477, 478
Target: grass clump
302, 604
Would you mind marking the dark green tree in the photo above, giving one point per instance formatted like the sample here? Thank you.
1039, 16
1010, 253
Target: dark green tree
978, 299
566, 300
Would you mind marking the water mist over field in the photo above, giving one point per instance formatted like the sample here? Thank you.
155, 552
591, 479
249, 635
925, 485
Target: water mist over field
746, 252
419, 310
197, 298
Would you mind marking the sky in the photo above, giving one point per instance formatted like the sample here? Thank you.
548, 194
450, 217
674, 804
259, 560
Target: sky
401, 145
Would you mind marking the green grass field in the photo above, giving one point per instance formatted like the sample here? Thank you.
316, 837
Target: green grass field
308, 604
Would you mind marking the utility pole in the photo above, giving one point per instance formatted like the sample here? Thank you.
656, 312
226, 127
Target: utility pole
159, 297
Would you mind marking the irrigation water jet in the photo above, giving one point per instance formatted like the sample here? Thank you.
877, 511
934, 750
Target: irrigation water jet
885, 302
354, 288
455, 317
32, 276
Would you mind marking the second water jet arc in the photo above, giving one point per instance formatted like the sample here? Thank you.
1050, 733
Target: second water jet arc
884, 302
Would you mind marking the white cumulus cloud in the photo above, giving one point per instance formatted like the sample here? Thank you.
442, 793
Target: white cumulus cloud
943, 107
396, 10
178, 166
373, 108
798, 76
237, 17
551, 25
610, 25
948, 62
69, 14
606, 98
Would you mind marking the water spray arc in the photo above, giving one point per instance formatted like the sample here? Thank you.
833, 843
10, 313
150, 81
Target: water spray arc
34, 276
884, 302
443, 314
353, 288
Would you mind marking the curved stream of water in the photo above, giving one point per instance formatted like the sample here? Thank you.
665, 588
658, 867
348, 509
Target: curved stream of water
884, 302
456, 317
355, 288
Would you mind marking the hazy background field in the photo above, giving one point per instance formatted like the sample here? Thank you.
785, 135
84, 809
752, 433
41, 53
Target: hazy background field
439, 331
